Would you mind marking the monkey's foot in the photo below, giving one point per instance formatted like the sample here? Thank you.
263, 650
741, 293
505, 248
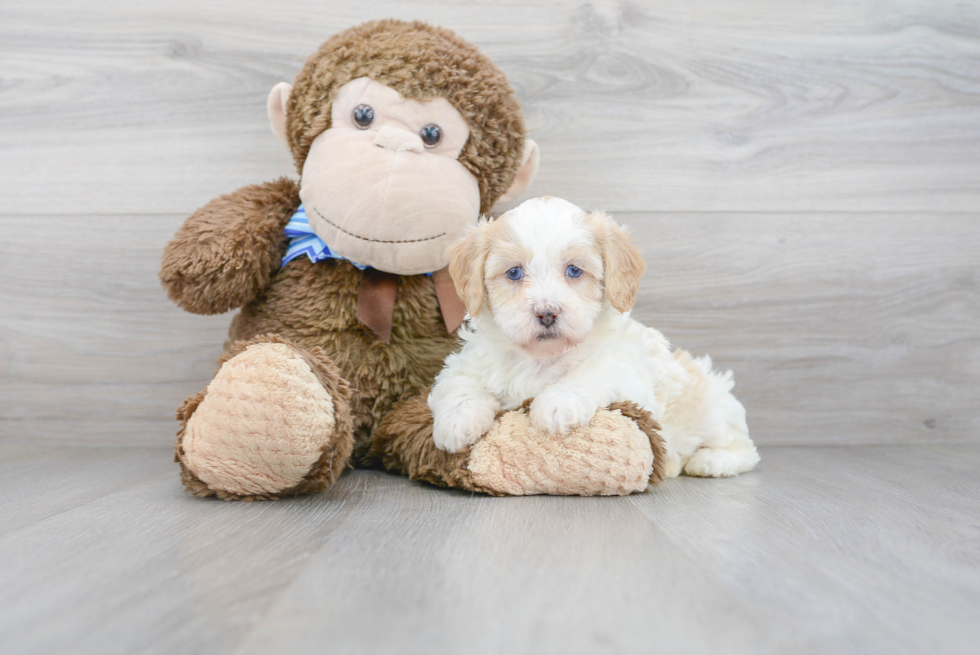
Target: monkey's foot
619, 452
275, 421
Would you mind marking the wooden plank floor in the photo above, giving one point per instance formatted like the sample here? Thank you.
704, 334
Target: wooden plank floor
823, 549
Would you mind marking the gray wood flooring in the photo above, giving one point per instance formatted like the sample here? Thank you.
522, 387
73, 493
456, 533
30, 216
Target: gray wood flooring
822, 550
804, 179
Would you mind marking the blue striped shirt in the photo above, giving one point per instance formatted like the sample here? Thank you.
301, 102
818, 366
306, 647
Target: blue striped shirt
304, 241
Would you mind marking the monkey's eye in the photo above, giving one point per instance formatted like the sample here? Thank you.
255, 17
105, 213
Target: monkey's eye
363, 116
431, 135
573, 271
515, 273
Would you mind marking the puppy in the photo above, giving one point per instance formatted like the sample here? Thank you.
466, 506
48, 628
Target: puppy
548, 289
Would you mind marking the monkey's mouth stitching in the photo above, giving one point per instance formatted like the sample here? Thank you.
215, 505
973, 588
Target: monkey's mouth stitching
358, 236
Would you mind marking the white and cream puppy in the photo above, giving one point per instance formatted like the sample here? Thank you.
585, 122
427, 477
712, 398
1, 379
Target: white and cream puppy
548, 289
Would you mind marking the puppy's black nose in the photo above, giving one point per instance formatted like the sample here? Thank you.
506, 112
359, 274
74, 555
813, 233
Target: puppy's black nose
547, 316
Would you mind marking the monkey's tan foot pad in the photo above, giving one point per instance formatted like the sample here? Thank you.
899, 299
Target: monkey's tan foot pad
274, 421
620, 452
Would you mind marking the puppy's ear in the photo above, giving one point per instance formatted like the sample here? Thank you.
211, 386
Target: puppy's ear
467, 259
622, 260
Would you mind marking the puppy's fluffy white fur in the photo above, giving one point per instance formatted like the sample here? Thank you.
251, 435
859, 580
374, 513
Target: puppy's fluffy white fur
561, 333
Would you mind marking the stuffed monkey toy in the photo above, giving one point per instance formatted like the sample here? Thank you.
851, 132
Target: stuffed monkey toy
403, 134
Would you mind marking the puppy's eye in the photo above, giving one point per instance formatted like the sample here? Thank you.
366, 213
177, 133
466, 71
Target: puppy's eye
431, 135
515, 273
573, 271
363, 116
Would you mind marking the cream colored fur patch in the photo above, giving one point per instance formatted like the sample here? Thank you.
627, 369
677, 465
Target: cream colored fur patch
609, 457
262, 424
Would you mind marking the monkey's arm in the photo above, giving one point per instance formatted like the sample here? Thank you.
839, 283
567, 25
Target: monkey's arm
227, 250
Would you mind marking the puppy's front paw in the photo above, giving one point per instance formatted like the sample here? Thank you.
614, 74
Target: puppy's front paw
559, 409
455, 428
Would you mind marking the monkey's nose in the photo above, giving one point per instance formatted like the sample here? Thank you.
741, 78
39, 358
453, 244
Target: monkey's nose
393, 138
547, 316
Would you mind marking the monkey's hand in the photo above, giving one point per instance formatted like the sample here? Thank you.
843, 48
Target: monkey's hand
226, 251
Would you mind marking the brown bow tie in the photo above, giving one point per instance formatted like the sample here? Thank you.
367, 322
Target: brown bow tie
376, 301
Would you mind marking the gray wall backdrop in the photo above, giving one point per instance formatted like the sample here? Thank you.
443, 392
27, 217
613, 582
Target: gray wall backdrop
804, 179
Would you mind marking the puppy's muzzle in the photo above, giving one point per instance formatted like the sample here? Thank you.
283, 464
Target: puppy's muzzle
547, 315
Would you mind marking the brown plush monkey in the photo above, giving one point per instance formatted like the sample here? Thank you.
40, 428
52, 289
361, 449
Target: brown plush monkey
403, 134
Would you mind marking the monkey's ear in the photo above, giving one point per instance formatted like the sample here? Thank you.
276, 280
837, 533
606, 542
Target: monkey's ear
525, 174
276, 105
467, 260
